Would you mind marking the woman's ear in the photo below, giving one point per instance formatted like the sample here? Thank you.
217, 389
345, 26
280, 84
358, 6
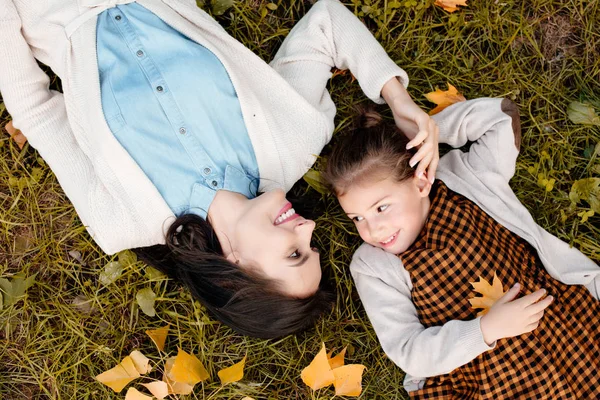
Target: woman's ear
233, 257
423, 185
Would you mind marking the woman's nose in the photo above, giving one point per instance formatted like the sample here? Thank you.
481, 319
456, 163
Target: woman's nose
306, 227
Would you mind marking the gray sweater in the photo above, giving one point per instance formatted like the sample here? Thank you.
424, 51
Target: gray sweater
482, 175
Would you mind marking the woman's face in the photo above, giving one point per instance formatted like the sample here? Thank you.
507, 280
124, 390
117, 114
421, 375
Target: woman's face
265, 233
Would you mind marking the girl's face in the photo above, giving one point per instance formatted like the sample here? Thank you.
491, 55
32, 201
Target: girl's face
265, 233
388, 214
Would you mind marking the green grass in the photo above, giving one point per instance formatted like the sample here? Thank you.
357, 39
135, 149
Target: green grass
543, 54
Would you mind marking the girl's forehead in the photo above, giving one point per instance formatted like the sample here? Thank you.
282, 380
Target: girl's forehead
368, 194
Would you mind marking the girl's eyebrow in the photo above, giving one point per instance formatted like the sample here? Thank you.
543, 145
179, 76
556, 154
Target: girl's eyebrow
383, 198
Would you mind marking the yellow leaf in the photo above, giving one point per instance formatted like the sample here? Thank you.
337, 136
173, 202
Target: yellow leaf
175, 387
159, 336
444, 99
134, 394
338, 360
450, 5
233, 373
140, 362
247, 398
318, 373
491, 294
348, 380
159, 389
16, 135
188, 369
118, 377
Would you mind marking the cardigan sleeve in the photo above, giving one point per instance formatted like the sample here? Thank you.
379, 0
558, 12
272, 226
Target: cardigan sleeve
384, 288
328, 36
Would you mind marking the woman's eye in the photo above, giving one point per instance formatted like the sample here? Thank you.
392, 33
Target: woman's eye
357, 219
382, 208
295, 254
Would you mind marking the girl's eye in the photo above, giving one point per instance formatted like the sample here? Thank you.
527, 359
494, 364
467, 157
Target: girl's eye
357, 219
382, 208
295, 254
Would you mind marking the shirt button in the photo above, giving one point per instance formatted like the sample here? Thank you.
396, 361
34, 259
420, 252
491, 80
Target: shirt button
207, 170
118, 17
140, 53
214, 183
182, 130
159, 89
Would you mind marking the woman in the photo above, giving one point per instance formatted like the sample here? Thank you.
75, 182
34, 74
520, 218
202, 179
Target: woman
139, 137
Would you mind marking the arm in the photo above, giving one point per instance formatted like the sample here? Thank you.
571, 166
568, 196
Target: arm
387, 299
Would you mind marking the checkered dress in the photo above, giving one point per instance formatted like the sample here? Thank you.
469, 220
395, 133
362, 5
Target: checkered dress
559, 360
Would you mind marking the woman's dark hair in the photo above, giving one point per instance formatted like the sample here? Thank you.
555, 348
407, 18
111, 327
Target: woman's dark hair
374, 149
243, 299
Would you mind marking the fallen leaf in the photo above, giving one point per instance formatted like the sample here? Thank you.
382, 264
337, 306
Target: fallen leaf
127, 257
220, 6
111, 272
159, 389
587, 189
118, 377
582, 113
585, 215
134, 394
233, 373
13, 290
348, 380
188, 369
313, 178
338, 360
145, 299
83, 304
318, 373
141, 362
450, 5
444, 99
16, 135
159, 336
247, 398
175, 387
491, 294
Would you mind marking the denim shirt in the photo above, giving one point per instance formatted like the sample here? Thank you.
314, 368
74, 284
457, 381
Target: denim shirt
171, 104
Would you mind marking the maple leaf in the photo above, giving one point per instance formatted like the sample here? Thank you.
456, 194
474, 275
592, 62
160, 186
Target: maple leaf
450, 5
159, 336
348, 380
16, 135
318, 373
491, 294
188, 369
444, 99
233, 373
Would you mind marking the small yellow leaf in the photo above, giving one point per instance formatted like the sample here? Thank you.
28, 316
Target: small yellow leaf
16, 135
134, 394
141, 362
318, 373
450, 5
247, 398
118, 377
491, 294
159, 389
348, 380
159, 336
444, 99
188, 369
233, 373
175, 387
338, 360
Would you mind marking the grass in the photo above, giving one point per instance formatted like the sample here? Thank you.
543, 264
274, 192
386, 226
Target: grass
69, 327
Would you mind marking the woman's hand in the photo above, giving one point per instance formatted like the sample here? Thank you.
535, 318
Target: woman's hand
419, 127
509, 317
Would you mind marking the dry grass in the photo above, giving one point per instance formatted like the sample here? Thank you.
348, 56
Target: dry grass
541, 53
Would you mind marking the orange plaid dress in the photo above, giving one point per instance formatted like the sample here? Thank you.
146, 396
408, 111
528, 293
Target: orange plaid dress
458, 244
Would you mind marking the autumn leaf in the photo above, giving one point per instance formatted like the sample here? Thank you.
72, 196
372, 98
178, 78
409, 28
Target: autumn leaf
444, 99
491, 294
145, 299
159, 336
587, 189
314, 180
450, 5
16, 135
233, 373
12, 291
141, 362
134, 394
338, 360
175, 387
582, 113
348, 380
318, 373
159, 389
188, 369
118, 377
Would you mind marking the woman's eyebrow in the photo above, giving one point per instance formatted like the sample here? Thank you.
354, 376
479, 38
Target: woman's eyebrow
301, 262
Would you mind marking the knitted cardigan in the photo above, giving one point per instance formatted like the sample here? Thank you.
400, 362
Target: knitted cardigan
285, 105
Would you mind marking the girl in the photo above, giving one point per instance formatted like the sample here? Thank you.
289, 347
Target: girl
165, 114
425, 243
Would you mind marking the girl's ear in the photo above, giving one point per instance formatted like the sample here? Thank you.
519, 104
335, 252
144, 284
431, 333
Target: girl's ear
423, 185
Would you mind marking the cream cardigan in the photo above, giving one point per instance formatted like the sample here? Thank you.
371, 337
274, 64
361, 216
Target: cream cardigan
286, 107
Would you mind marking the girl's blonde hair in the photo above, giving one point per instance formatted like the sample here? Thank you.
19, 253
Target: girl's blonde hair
374, 150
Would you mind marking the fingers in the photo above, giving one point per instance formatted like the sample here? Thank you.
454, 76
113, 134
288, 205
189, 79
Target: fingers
532, 326
541, 305
531, 298
417, 140
510, 295
423, 157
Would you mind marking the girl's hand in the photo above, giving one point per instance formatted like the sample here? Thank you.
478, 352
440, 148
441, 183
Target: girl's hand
419, 127
509, 317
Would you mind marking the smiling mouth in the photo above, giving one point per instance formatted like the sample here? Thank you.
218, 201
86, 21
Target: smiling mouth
390, 240
287, 213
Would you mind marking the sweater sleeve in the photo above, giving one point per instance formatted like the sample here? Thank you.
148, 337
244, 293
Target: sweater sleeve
328, 36
385, 290
494, 127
